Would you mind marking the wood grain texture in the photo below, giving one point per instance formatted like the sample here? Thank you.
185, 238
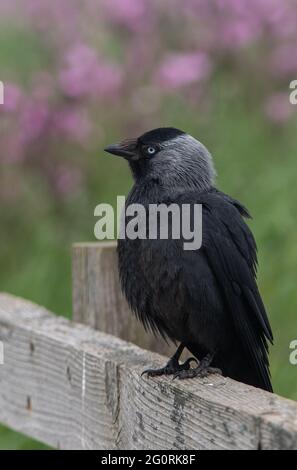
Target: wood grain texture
72, 387
98, 300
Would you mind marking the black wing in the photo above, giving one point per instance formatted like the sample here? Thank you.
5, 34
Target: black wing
231, 250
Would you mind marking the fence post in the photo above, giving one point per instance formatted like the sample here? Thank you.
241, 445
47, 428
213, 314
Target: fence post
97, 298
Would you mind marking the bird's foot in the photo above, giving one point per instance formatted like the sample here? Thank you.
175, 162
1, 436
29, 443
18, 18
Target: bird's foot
197, 372
202, 370
171, 368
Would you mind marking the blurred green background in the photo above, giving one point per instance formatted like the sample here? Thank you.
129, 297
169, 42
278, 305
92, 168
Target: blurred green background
78, 77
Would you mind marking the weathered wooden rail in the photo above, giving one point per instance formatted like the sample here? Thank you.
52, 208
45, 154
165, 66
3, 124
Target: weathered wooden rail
71, 386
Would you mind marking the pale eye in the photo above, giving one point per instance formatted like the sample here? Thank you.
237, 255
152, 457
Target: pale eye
150, 150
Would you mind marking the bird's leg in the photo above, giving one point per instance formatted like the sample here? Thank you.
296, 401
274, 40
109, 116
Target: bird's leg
172, 366
202, 370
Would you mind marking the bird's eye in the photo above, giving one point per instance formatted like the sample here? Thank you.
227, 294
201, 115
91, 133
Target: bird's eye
150, 150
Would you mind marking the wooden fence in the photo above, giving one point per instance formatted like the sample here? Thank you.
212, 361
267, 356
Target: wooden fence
73, 387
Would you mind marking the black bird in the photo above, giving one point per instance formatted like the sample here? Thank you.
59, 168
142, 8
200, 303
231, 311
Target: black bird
207, 300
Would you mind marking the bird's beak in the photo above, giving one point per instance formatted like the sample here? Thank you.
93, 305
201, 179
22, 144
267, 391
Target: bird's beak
126, 149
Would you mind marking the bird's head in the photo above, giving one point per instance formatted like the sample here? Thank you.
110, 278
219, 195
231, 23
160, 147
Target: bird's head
170, 156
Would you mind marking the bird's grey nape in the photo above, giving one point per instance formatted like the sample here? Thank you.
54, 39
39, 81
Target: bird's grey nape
182, 162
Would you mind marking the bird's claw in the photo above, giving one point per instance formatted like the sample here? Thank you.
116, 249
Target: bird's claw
171, 368
155, 372
197, 372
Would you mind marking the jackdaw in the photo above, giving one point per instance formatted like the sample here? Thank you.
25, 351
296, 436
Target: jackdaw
206, 299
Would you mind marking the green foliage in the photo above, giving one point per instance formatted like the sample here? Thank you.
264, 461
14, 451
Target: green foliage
21, 52
11, 440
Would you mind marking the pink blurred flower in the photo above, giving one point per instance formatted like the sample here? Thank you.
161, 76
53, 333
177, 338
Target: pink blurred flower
12, 97
76, 76
278, 108
239, 33
81, 56
33, 120
281, 17
133, 14
74, 123
182, 69
107, 79
86, 75
57, 19
284, 60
